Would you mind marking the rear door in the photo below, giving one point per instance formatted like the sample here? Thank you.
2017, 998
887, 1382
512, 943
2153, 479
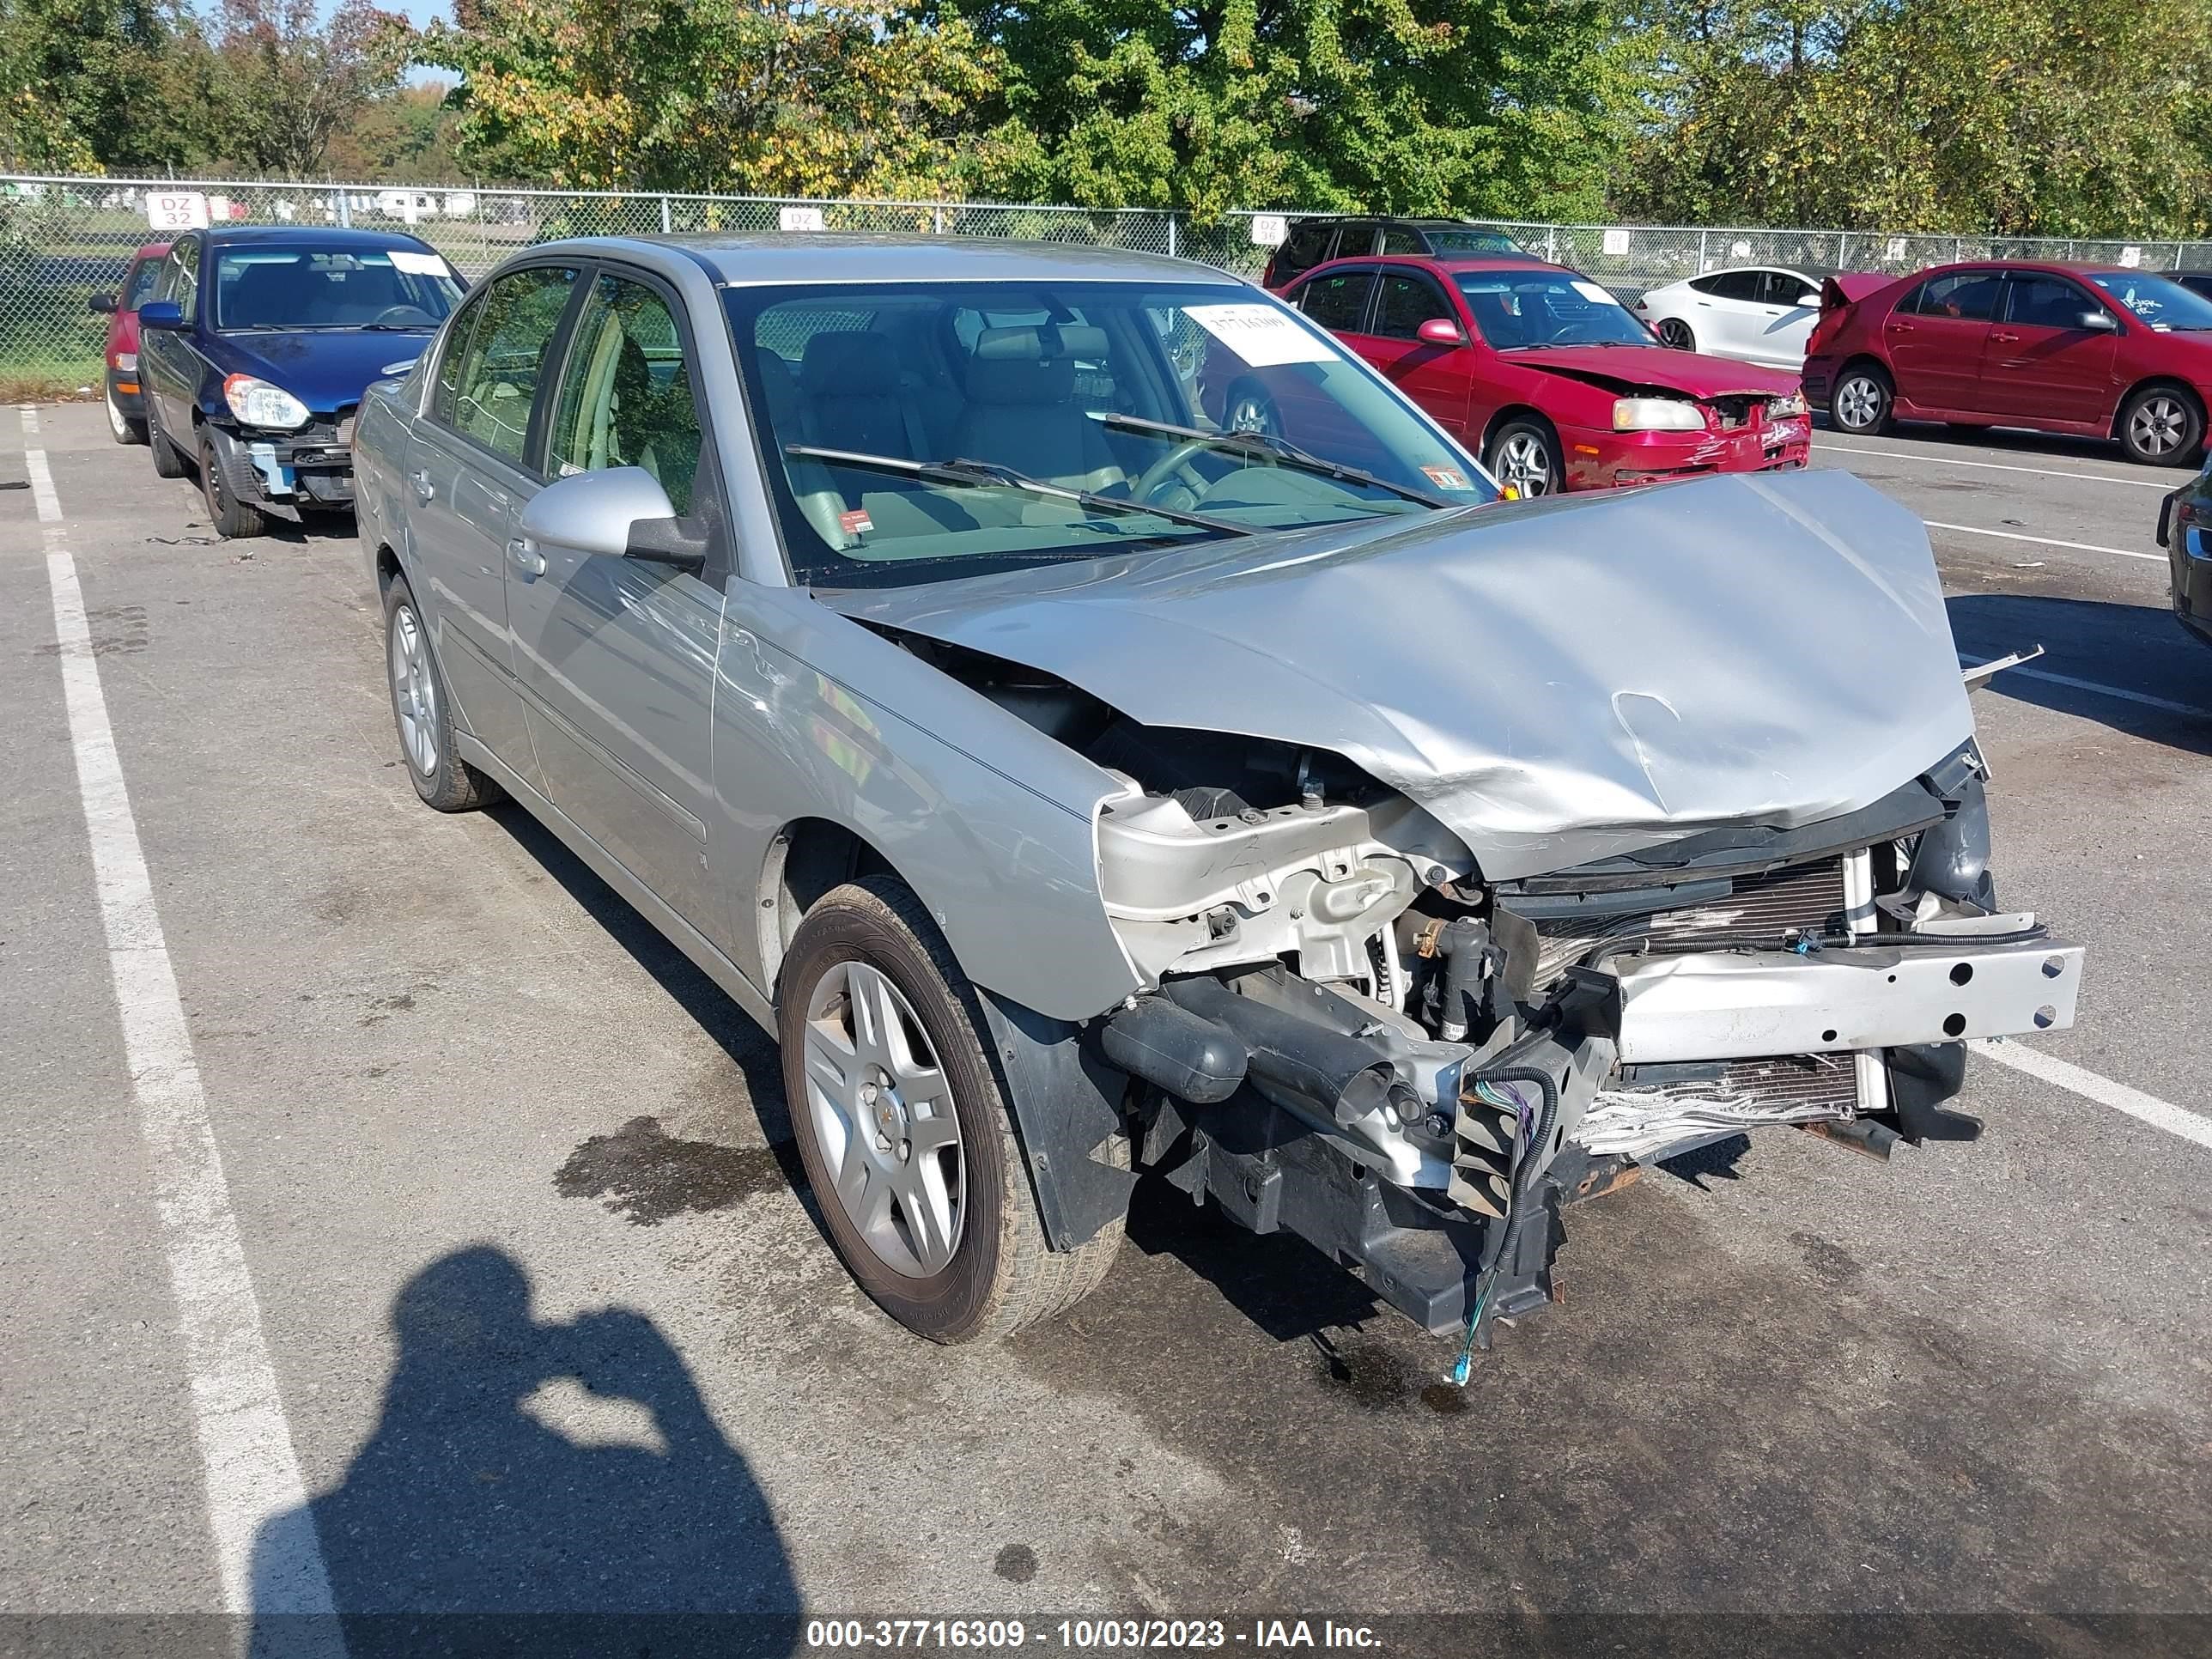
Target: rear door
1338, 301
468, 476
617, 656
1789, 306
1434, 376
2040, 363
1935, 339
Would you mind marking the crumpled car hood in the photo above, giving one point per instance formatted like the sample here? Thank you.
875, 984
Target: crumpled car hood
1557, 681
1693, 373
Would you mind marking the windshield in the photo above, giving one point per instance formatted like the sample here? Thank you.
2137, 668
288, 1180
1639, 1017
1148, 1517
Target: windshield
292, 288
1519, 310
2162, 303
1085, 418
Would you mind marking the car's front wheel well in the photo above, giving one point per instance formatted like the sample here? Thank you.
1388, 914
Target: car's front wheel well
388, 568
1511, 413
2150, 382
808, 857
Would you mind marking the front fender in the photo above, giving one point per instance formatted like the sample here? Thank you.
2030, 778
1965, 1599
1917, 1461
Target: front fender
989, 820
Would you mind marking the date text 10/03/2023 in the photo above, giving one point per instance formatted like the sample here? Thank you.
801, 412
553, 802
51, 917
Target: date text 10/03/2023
1087, 1635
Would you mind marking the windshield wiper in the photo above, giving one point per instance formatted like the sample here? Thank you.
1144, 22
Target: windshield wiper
1282, 449
986, 472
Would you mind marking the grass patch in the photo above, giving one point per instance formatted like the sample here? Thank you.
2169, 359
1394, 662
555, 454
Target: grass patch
49, 377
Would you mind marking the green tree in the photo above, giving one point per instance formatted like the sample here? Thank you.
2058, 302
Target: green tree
288, 79
88, 85
2024, 117
405, 137
1505, 107
720, 94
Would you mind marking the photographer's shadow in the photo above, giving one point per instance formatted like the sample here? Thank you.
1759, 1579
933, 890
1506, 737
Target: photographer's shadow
466, 1525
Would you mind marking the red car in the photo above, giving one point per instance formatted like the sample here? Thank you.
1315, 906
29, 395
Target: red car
2095, 351
1549, 378
126, 404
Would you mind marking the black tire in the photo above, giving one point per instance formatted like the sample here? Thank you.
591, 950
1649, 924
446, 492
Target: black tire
2162, 426
231, 516
1525, 454
448, 783
169, 461
1674, 331
1001, 1275
124, 428
1863, 401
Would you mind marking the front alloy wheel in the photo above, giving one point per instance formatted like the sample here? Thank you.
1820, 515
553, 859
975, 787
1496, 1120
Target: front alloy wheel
2160, 427
1521, 457
881, 1109
1674, 332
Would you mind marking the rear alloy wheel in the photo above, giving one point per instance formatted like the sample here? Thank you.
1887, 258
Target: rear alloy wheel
125, 430
419, 707
1525, 454
1862, 401
2162, 426
1674, 331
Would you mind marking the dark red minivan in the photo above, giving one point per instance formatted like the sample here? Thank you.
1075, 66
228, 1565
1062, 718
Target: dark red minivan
2094, 351
126, 404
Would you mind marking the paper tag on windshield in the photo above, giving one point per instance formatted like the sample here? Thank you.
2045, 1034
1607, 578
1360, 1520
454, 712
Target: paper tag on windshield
419, 264
1263, 336
856, 522
1447, 478
1595, 294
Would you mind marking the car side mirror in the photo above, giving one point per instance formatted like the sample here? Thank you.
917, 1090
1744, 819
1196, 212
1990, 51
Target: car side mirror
620, 512
165, 315
1811, 296
102, 303
1440, 330
2101, 319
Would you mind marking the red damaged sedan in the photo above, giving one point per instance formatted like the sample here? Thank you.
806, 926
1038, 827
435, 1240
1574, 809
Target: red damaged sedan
1549, 378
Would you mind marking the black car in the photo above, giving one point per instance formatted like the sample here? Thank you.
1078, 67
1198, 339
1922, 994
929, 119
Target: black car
1313, 241
2199, 282
2184, 519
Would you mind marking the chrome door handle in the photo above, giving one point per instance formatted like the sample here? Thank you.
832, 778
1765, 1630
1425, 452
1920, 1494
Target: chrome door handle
1999, 334
424, 489
525, 558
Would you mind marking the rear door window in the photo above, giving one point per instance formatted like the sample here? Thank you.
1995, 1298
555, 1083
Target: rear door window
1396, 239
1338, 301
496, 381
1968, 295
1747, 285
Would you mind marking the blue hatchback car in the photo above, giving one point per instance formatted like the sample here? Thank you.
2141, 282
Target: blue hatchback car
254, 350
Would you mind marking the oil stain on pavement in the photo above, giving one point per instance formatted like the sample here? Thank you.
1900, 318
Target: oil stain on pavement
645, 1173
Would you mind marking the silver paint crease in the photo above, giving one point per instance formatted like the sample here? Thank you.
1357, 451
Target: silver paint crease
1557, 681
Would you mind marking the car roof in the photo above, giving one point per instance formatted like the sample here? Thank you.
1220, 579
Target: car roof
332, 237
775, 256
151, 250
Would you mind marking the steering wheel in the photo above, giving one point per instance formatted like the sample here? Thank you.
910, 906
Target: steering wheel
1173, 465
405, 314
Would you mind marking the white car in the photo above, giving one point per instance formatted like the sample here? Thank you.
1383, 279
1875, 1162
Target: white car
1759, 314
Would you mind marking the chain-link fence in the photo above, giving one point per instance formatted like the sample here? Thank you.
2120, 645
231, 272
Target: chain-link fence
62, 239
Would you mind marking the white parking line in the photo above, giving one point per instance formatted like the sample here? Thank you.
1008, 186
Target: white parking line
2097, 686
2043, 541
1998, 466
2147, 1108
252, 1475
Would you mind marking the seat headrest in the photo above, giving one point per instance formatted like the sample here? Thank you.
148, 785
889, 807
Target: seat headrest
1021, 380
1042, 342
859, 364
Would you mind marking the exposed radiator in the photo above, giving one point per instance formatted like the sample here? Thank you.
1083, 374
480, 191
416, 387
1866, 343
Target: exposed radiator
1647, 1121
1762, 913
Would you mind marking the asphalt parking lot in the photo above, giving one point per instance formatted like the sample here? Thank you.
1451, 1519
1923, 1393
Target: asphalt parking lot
552, 1332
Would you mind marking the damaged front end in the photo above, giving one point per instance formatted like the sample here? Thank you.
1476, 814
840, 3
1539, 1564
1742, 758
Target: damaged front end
1464, 867
1355, 1038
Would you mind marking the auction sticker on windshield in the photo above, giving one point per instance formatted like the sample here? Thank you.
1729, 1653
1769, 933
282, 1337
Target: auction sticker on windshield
1263, 336
419, 264
1594, 294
